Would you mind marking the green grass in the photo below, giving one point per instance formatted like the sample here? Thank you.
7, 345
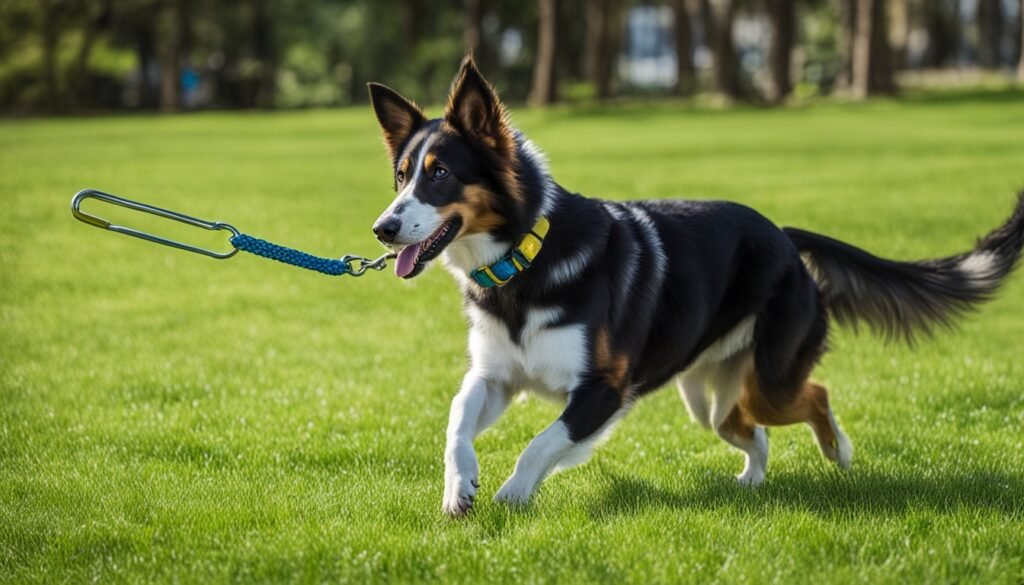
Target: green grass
166, 417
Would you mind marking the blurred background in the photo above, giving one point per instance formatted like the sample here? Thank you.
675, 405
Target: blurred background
82, 56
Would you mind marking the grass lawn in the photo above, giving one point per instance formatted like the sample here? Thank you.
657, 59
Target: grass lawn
167, 417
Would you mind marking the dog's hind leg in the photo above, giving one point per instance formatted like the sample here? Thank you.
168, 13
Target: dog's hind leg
790, 337
694, 392
809, 405
815, 411
733, 424
740, 431
832, 441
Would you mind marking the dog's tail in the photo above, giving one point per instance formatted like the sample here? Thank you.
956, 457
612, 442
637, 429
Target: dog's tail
901, 299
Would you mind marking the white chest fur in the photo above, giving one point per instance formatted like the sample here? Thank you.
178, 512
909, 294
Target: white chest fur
547, 359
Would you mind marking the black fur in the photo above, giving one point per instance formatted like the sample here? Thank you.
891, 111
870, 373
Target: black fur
663, 281
900, 299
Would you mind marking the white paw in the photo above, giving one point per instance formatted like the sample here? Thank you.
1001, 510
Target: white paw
750, 478
459, 494
844, 450
757, 460
514, 492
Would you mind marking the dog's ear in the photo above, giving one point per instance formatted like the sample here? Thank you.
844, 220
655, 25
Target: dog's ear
399, 118
475, 111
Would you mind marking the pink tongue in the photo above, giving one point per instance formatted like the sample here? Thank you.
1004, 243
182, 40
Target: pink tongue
406, 261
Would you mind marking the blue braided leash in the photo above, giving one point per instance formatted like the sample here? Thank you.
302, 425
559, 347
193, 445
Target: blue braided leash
351, 264
259, 247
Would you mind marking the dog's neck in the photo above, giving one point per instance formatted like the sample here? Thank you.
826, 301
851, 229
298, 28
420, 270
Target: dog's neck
475, 250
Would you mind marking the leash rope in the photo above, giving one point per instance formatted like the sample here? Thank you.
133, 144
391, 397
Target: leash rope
351, 265
247, 243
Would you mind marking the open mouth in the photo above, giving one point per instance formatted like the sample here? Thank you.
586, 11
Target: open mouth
413, 259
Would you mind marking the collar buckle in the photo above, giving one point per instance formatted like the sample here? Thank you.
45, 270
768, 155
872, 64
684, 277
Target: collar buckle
517, 260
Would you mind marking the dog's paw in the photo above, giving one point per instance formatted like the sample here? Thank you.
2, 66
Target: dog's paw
750, 478
513, 493
844, 450
459, 495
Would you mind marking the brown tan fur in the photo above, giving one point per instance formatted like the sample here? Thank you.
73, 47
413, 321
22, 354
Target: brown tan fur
476, 209
404, 127
500, 139
614, 366
808, 405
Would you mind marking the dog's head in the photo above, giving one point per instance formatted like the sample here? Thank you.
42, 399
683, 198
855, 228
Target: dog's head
456, 176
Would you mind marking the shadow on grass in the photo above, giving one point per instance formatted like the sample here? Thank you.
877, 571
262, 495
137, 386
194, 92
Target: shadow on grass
825, 495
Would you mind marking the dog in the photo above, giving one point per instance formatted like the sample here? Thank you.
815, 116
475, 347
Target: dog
597, 303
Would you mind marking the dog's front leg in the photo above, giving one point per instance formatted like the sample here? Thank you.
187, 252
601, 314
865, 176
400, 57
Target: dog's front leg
592, 409
477, 405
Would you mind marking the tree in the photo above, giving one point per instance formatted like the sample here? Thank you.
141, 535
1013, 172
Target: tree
94, 18
1020, 64
871, 59
472, 13
543, 91
167, 48
899, 33
683, 24
940, 21
51, 36
264, 45
721, 14
783, 18
990, 32
601, 44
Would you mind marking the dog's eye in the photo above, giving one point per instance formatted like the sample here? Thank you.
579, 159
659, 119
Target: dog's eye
440, 173
400, 176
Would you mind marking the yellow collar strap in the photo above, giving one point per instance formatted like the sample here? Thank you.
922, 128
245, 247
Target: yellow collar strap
516, 261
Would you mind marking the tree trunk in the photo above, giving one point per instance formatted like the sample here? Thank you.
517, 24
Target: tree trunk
601, 44
170, 69
595, 15
783, 17
882, 73
544, 78
941, 39
872, 60
848, 29
685, 77
266, 53
990, 32
726, 65
82, 94
184, 32
860, 85
899, 33
472, 36
411, 24
1020, 60
148, 93
51, 35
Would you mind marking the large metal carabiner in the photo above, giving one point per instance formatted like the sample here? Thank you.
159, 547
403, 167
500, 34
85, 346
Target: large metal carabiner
99, 222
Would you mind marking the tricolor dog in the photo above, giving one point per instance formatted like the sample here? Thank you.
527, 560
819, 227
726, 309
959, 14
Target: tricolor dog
597, 303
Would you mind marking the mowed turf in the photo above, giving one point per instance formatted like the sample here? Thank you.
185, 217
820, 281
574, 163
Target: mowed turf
168, 417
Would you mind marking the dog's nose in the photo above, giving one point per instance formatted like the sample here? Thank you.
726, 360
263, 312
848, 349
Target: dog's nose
387, 229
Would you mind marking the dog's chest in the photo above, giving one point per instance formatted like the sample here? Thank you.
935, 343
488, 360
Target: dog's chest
547, 359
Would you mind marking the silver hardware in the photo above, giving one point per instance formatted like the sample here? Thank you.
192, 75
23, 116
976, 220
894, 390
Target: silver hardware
99, 222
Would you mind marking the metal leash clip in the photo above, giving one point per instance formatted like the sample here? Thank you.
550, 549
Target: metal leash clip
352, 265
365, 264
99, 222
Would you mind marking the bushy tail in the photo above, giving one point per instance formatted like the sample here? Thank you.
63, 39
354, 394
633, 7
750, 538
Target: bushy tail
902, 299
